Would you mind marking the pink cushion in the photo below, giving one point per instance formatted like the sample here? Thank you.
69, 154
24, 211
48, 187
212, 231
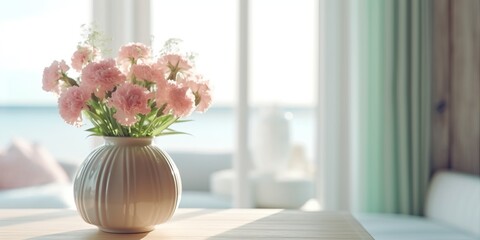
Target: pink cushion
25, 164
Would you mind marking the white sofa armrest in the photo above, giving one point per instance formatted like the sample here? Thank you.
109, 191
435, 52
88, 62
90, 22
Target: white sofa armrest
454, 198
52, 195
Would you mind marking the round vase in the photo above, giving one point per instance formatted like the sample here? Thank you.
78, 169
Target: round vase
128, 185
271, 142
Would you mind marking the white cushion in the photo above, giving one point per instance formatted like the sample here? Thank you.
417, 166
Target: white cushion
454, 199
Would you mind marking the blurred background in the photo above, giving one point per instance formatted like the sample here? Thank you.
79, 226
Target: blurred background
211, 33
348, 105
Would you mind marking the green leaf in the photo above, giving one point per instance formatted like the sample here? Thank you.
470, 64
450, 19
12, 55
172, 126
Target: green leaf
183, 120
174, 133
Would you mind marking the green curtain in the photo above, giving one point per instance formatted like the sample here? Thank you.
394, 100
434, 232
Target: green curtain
394, 40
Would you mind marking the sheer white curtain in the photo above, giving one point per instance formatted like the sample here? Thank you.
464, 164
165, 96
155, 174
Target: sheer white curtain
334, 100
375, 105
123, 20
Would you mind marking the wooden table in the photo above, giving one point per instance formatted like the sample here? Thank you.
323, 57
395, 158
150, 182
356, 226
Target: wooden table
188, 224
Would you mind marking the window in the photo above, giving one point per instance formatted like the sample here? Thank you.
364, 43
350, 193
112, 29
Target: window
282, 66
282, 52
282, 63
210, 32
34, 33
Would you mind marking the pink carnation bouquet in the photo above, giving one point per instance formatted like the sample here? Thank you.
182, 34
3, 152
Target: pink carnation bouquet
135, 94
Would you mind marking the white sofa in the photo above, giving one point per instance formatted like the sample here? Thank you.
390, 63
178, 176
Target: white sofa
452, 211
194, 167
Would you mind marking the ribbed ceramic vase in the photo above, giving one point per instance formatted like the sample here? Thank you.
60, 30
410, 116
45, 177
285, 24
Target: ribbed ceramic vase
128, 185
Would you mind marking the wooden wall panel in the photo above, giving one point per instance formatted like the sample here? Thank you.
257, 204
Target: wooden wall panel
465, 86
456, 86
440, 84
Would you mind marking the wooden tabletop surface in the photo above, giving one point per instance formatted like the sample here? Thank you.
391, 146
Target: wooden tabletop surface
189, 224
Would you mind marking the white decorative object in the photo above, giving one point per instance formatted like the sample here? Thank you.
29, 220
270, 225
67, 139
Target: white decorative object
298, 165
267, 190
271, 141
282, 192
127, 185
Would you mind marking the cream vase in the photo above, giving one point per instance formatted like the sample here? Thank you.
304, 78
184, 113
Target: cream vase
128, 185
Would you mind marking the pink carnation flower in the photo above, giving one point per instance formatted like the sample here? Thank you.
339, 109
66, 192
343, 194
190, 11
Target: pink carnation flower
100, 77
179, 99
173, 63
144, 72
132, 52
200, 89
129, 100
52, 74
71, 103
82, 56
204, 96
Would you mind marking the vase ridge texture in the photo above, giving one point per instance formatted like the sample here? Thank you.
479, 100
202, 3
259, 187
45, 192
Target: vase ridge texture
127, 185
